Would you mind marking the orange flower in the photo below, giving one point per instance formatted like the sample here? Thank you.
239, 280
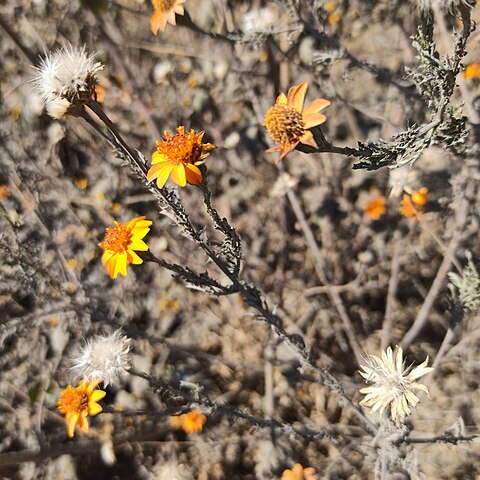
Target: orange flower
471, 71
190, 422
288, 123
412, 204
120, 244
164, 11
179, 156
299, 473
76, 403
376, 207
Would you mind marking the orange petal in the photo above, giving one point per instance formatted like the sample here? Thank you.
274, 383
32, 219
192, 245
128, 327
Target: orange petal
296, 96
171, 17
313, 119
157, 22
193, 173
307, 139
316, 106
179, 176
83, 423
178, 9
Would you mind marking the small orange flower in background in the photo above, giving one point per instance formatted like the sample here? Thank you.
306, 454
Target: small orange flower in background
76, 403
164, 11
411, 206
120, 244
334, 14
376, 206
191, 422
299, 473
288, 123
471, 71
179, 156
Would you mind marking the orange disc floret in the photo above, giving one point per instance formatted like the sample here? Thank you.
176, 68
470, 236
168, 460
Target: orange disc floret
120, 244
164, 12
191, 422
76, 403
288, 123
299, 473
375, 208
179, 156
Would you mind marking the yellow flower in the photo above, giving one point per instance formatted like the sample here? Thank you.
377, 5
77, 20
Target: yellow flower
411, 205
394, 385
299, 473
376, 207
164, 11
120, 244
471, 71
179, 156
76, 403
190, 422
288, 123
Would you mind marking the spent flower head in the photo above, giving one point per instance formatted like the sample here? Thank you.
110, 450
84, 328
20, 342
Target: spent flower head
288, 123
120, 244
394, 385
66, 79
164, 12
179, 156
191, 422
299, 473
77, 403
103, 357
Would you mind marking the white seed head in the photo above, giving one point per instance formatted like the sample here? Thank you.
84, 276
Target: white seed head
104, 357
172, 471
393, 385
67, 74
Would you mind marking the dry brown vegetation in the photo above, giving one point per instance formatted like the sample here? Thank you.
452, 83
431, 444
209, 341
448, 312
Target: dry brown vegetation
352, 287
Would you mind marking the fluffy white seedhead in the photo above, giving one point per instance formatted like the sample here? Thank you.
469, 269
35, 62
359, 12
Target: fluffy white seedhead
67, 75
172, 471
104, 357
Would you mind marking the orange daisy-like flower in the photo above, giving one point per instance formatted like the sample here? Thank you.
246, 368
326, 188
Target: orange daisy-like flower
375, 208
76, 403
299, 473
179, 156
471, 71
164, 11
288, 123
190, 422
120, 244
411, 205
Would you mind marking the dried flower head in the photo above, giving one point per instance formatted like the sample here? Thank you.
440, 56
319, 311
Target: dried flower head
394, 385
288, 123
164, 12
468, 285
191, 422
412, 205
299, 473
179, 156
120, 244
76, 403
66, 79
104, 357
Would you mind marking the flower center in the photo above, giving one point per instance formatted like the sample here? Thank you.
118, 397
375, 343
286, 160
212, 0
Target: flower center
72, 401
180, 148
163, 5
117, 239
284, 124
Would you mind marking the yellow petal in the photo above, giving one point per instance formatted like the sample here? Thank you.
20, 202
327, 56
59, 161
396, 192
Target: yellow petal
71, 420
120, 266
296, 96
158, 157
179, 176
138, 245
97, 395
133, 258
316, 106
83, 423
94, 408
313, 119
307, 139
